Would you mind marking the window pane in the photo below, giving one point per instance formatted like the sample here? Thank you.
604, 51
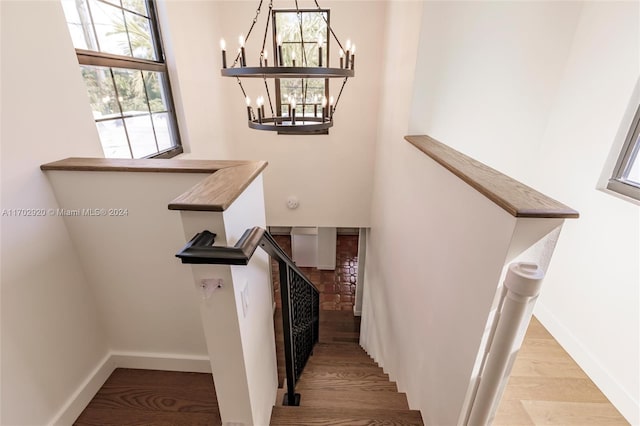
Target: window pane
113, 139
290, 87
138, 6
308, 93
140, 36
313, 88
123, 99
156, 92
288, 26
163, 131
102, 95
141, 137
109, 24
311, 51
131, 91
79, 23
633, 175
314, 27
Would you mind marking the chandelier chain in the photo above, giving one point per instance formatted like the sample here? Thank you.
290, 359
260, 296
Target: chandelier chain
266, 31
235, 62
266, 86
328, 26
344, 82
304, 53
304, 57
264, 43
241, 88
253, 24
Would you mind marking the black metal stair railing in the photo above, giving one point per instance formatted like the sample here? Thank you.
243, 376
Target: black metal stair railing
300, 298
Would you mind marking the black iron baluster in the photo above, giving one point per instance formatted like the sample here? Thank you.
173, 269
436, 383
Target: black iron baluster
290, 398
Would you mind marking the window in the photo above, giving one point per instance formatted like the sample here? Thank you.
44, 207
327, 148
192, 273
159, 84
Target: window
121, 60
626, 175
304, 49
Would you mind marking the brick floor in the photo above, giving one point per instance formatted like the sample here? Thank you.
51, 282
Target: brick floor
337, 287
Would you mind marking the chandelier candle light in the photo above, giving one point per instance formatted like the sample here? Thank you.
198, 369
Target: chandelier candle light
307, 122
223, 46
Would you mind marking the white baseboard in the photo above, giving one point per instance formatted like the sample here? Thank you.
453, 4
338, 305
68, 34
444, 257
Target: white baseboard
156, 361
141, 360
356, 312
619, 397
84, 393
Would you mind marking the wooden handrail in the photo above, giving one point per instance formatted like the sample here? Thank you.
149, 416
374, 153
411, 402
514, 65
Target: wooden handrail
200, 250
218, 191
140, 165
516, 198
227, 180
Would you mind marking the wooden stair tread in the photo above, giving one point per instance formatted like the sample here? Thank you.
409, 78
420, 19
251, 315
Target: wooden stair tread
319, 367
354, 399
342, 385
340, 350
344, 416
132, 417
341, 361
186, 399
346, 353
346, 385
344, 374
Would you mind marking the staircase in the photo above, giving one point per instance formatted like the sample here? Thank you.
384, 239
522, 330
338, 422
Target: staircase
331, 380
342, 385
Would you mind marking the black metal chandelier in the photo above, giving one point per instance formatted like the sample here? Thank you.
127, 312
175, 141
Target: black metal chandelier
299, 114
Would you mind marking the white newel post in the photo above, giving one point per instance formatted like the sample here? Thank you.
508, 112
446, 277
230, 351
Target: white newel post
522, 287
237, 318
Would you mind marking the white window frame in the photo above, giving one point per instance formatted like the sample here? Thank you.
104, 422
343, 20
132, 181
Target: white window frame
629, 153
111, 61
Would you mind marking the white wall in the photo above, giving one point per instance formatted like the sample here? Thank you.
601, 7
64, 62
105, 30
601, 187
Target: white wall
191, 32
487, 76
545, 107
431, 275
435, 251
52, 337
331, 175
144, 293
591, 301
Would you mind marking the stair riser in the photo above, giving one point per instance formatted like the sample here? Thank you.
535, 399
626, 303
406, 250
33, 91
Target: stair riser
354, 399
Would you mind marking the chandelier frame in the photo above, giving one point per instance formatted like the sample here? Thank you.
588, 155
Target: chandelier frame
278, 121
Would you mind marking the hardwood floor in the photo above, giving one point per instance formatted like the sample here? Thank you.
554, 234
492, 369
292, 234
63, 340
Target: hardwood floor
151, 397
548, 388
